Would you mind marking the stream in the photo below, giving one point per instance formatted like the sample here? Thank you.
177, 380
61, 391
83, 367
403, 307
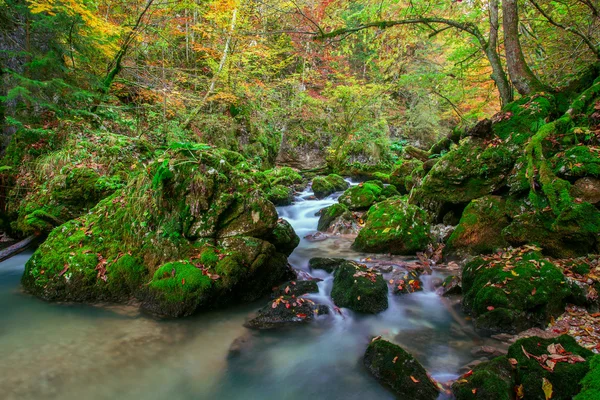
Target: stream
67, 351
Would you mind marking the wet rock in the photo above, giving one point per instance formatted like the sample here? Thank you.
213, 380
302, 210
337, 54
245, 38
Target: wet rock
399, 371
487, 351
488, 380
286, 311
241, 344
359, 288
326, 264
364, 195
316, 237
296, 288
451, 286
395, 227
441, 232
280, 195
405, 283
284, 237
337, 219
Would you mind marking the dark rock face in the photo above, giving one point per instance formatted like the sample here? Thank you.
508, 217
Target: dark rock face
450, 286
399, 371
286, 311
296, 288
587, 189
359, 288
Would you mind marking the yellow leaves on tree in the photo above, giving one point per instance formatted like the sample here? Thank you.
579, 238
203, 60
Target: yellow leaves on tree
95, 27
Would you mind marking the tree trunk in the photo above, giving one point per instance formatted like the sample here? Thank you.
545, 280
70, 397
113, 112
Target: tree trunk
521, 75
491, 51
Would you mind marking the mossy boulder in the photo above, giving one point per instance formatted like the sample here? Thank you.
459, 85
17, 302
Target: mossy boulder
362, 196
185, 235
513, 291
395, 227
591, 382
284, 237
470, 171
280, 195
284, 176
489, 380
323, 186
577, 162
574, 232
337, 219
565, 376
398, 370
401, 171
587, 189
326, 264
286, 311
480, 228
359, 288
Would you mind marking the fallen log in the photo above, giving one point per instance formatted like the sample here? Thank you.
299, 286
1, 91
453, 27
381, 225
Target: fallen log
17, 248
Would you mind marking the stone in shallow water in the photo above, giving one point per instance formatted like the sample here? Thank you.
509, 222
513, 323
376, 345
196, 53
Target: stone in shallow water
286, 311
392, 366
296, 288
359, 288
325, 263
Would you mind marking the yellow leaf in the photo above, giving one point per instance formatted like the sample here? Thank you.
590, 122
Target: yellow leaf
514, 273
520, 392
547, 388
386, 230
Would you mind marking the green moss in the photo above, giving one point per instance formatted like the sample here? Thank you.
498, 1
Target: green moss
489, 380
576, 162
398, 370
280, 195
322, 187
402, 171
513, 293
358, 288
331, 214
480, 227
522, 118
362, 196
565, 378
591, 381
285, 176
393, 226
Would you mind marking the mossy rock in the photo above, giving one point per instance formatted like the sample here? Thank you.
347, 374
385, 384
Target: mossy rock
591, 382
520, 119
514, 291
480, 228
284, 237
491, 380
396, 369
395, 227
470, 171
416, 153
191, 212
285, 176
286, 311
296, 288
362, 196
326, 264
336, 218
360, 289
451, 285
565, 377
407, 283
401, 171
572, 233
324, 186
281, 195
577, 162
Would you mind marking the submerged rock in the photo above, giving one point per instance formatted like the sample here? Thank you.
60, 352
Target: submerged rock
286, 311
450, 286
392, 366
359, 288
184, 236
395, 227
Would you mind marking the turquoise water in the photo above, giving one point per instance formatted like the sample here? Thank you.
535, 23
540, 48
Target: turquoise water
64, 351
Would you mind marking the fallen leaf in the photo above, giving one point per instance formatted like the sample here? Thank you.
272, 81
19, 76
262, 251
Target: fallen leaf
395, 359
274, 305
61, 273
375, 338
490, 308
520, 392
358, 298
183, 281
513, 361
474, 390
533, 291
415, 380
301, 315
547, 388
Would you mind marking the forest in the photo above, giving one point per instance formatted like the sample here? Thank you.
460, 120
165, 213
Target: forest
285, 199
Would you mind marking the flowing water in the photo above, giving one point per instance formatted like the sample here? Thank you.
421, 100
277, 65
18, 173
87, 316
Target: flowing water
65, 351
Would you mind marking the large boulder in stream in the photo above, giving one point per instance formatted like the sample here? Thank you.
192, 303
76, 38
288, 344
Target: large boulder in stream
191, 232
337, 219
359, 288
395, 368
395, 227
364, 195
